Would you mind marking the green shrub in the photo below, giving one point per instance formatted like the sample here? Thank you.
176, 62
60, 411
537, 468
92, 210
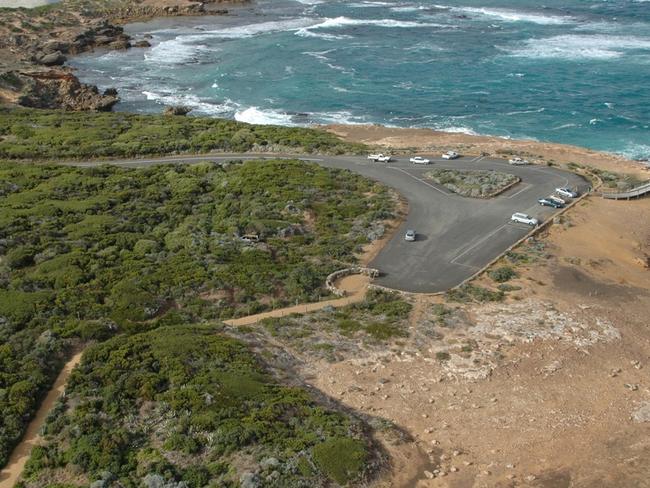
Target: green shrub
200, 385
44, 134
341, 459
474, 293
502, 274
443, 356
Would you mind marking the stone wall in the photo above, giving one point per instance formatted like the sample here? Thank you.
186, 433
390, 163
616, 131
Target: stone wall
337, 275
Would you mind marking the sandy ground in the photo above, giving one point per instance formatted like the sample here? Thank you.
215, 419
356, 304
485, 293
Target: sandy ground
549, 388
555, 391
10, 474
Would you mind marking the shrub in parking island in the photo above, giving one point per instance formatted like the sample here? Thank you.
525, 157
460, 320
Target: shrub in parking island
473, 183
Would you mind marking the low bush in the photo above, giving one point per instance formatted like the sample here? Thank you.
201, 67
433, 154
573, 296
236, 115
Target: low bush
86, 254
472, 183
183, 405
474, 293
51, 134
502, 274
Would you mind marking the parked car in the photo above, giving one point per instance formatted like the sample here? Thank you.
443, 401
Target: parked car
522, 218
379, 158
250, 238
556, 199
450, 155
419, 160
566, 192
518, 161
547, 202
410, 235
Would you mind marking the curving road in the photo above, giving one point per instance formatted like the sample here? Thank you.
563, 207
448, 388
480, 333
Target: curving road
456, 236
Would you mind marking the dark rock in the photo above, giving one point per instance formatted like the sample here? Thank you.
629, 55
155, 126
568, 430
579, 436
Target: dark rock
59, 89
52, 59
110, 92
103, 40
142, 43
148, 36
120, 44
54, 46
177, 110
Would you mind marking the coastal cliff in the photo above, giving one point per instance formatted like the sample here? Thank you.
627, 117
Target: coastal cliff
36, 43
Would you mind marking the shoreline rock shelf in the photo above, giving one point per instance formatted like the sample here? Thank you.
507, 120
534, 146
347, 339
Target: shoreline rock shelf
71, 31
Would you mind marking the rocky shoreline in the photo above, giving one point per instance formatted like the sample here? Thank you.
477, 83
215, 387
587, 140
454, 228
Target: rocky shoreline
36, 43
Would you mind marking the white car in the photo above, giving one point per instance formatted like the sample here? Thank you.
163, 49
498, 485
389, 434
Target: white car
450, 155
518, 161
557, 199
566, 192
379, 158
522, 218
419, 160
410, 235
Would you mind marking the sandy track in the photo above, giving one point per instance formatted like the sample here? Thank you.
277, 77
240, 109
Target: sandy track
354, 285
10, 474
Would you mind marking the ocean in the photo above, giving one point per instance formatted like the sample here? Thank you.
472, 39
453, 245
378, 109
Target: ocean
569, 71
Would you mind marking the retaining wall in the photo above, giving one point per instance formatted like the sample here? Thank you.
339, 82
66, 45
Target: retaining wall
342, 273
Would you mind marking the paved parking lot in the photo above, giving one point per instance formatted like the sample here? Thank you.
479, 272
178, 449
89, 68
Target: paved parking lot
456, 236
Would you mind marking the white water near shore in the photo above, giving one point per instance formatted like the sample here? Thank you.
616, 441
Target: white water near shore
569, 72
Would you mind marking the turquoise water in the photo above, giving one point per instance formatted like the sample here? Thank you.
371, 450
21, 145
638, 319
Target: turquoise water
574, 71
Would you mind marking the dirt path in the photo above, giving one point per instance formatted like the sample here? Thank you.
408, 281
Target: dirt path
354, 285
10, 474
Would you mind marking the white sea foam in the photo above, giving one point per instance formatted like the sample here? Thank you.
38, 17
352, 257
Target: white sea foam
507, 15
250, 30
227, 107
175, 51
565, 126
457, 130
637, 151
531, 111
369, 4
253, 115
575, 47
409, 8
342, 22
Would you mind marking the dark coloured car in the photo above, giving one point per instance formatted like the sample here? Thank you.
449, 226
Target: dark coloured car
547, 202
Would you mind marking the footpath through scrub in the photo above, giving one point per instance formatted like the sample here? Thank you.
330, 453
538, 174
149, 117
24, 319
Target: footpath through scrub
10, 474
354, 285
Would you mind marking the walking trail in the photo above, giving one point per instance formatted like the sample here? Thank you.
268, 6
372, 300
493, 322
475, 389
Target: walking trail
355, 287
10, 474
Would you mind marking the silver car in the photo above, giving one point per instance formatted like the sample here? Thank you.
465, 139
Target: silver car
522, 218
410, 235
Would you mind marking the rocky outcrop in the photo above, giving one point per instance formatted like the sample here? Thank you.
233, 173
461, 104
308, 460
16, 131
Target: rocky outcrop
177, 110
60, 89
49, 40
53, 59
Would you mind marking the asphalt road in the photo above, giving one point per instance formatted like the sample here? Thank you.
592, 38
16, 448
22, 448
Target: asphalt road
456, 236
